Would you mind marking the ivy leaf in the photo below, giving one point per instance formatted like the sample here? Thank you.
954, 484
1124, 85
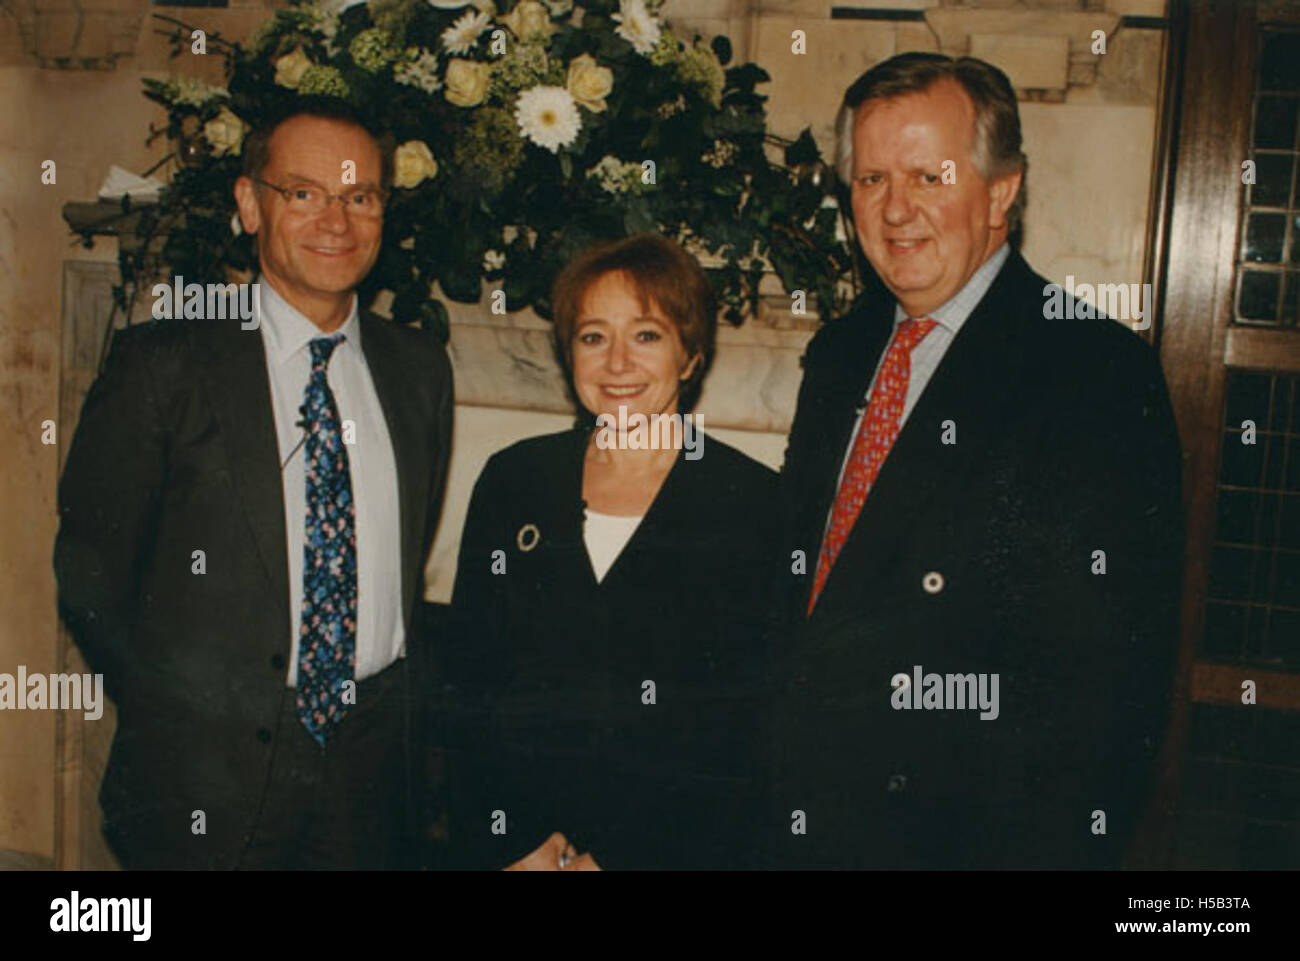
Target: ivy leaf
434, 319
722, 48
746, 77
803, 150
637, 219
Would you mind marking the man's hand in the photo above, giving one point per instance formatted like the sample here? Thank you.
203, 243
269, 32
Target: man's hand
584, 863
546, 857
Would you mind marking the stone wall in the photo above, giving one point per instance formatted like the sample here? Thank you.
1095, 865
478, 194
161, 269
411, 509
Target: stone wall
70, 91
83, 119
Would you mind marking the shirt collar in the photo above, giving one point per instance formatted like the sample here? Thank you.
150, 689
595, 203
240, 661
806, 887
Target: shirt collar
963, 303
287, 330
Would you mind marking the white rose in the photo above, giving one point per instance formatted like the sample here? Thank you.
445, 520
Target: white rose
224, 133
466, 82
413, 163
290, 68
529, 20
589, 82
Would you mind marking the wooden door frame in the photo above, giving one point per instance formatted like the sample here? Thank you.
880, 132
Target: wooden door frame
1205, 137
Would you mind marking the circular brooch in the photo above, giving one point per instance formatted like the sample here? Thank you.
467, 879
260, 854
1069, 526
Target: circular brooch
528, 537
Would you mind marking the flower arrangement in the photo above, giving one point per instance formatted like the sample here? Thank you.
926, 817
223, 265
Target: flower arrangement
524, 134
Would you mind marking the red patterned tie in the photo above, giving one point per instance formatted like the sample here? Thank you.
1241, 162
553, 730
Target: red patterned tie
875, 437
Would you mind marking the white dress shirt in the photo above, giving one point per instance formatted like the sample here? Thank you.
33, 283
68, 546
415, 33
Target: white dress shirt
926, 355
285, 335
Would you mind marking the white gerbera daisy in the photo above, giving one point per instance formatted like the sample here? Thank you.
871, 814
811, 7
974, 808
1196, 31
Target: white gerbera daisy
548, 116
636, 25
464, 33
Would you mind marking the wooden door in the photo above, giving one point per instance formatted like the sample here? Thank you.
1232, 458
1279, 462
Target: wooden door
1227, 270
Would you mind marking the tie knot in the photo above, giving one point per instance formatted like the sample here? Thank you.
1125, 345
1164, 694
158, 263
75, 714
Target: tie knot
322, 348
913, 330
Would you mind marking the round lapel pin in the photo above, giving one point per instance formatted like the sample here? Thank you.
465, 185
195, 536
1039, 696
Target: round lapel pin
528, 537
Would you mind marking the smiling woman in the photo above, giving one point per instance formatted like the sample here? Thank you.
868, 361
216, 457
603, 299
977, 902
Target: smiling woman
600, 685
656, 292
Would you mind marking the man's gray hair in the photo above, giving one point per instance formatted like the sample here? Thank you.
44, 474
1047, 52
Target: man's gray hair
996, 151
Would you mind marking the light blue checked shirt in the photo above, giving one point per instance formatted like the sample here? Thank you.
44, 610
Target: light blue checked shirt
927, 355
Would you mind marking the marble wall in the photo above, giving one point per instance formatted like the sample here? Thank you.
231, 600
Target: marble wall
1089, 125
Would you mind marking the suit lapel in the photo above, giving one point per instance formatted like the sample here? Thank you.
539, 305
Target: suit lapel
391, 379
239, 390
970, 388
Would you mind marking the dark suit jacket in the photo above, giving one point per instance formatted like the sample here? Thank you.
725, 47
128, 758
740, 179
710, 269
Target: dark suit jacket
1065, 445
176, 451
546, 718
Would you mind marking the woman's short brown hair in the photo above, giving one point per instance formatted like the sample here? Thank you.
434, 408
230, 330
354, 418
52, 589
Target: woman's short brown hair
660, 271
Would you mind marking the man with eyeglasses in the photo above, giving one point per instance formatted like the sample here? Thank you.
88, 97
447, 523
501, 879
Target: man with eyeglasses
245, 516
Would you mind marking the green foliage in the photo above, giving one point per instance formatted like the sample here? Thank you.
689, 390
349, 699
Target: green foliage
503, 207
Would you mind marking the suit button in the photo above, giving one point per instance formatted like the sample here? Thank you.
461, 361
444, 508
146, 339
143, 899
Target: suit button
277, 661
897, 783
932, 583
264, 735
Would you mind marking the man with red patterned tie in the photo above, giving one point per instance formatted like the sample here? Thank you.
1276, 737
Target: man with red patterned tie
979, 498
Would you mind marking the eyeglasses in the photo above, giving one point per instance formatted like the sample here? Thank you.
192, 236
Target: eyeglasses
310, 198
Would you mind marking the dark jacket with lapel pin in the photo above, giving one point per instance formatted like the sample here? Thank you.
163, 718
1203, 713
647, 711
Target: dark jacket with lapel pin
546, 696
978, 557
175, 452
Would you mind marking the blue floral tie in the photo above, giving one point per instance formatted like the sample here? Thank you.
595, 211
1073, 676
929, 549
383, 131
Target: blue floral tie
327, 639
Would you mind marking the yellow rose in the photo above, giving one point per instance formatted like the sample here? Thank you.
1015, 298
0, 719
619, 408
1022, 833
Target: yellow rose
466, 82
589, 83
528, 21
224, 133
413, 163
290, 68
